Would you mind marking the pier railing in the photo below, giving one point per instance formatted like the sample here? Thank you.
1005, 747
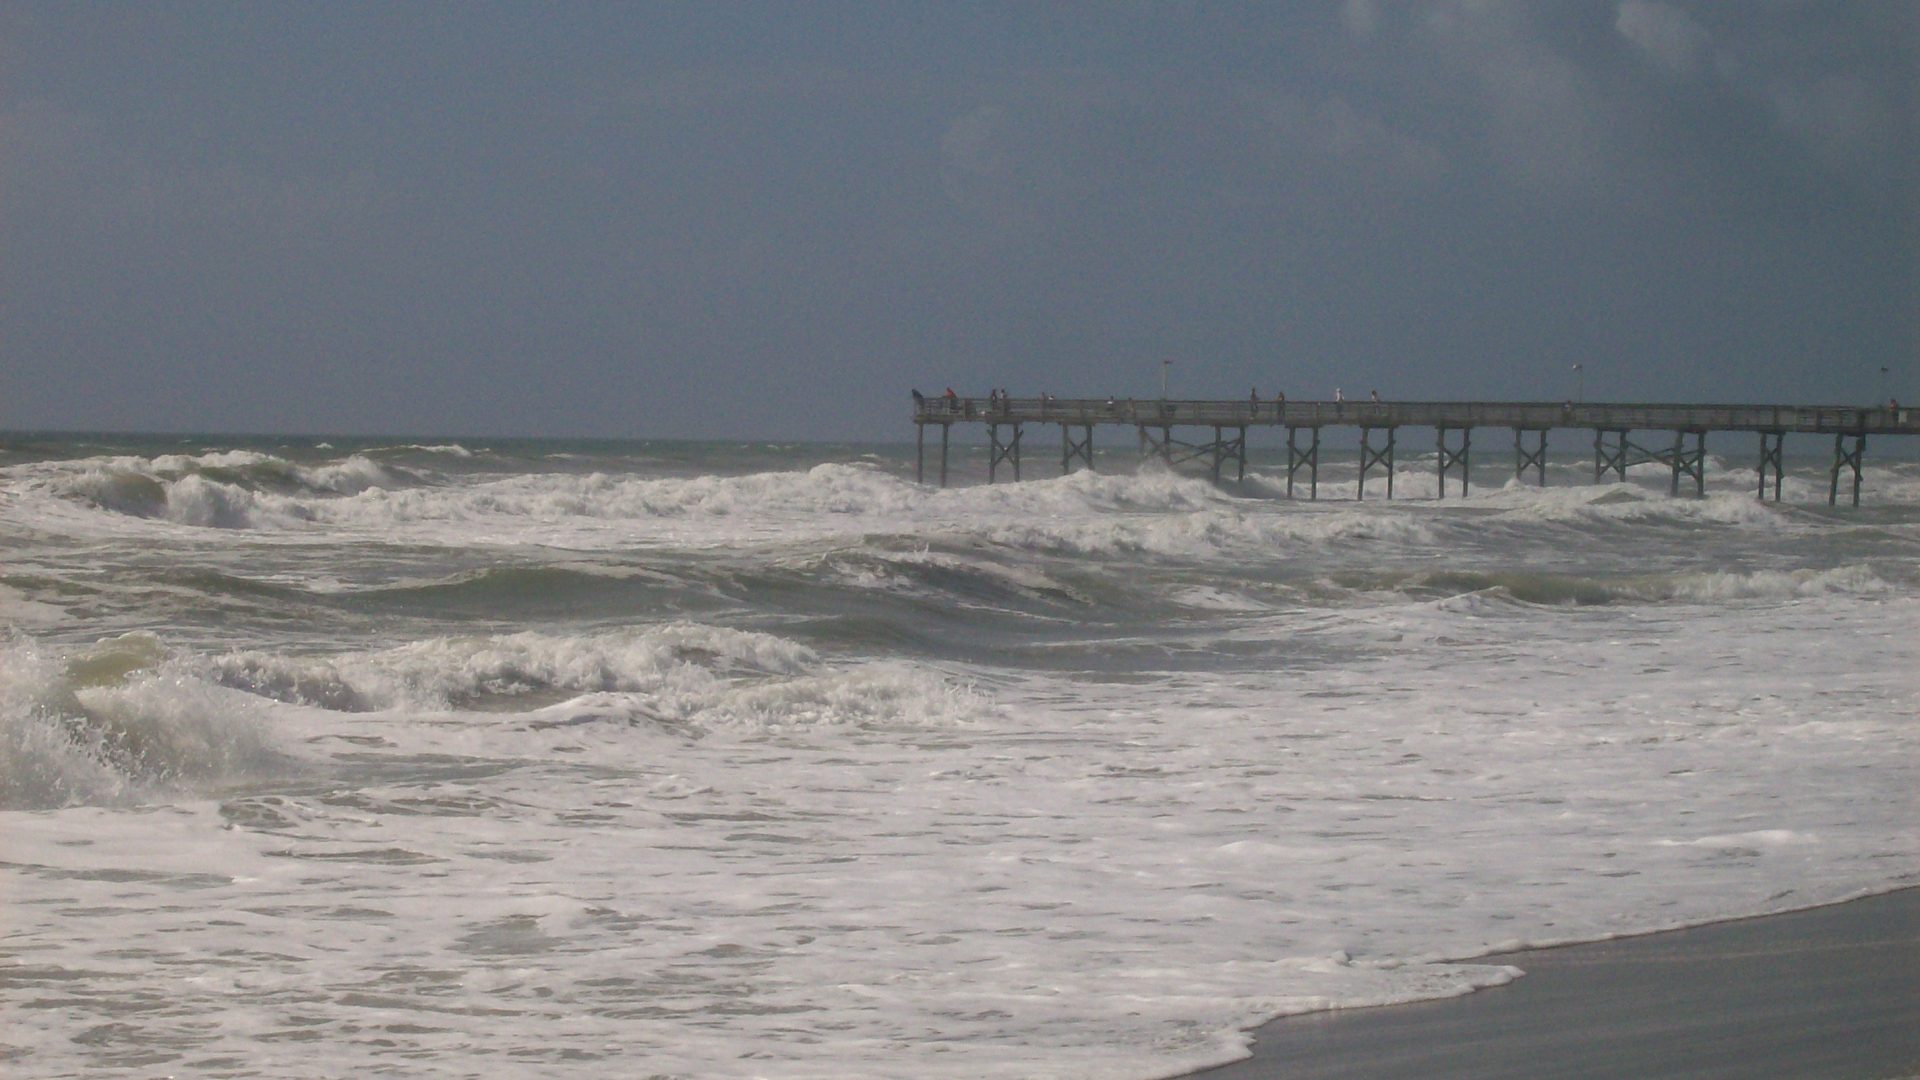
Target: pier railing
1524, 415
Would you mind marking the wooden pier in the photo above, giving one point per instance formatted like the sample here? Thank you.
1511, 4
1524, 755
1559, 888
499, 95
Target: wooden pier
1681, 432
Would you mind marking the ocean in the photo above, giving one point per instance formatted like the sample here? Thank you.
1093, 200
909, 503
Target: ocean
501, 758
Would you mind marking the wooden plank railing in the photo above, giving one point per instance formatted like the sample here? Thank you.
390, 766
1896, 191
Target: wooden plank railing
1525, 415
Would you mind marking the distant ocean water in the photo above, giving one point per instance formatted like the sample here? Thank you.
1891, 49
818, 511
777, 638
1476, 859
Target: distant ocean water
511, 759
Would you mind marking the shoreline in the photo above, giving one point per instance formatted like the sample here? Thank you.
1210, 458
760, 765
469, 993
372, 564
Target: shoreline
1831, 991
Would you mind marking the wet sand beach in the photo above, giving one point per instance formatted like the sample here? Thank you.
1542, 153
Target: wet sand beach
1829, 992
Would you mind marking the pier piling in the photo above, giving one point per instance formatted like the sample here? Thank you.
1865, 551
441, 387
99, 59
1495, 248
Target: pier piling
1008, 451
1523, 457
1308, 459
1369, 457
1610, 457
1771, 443
1689, 462
1072, 448
1844, 458
1450, 457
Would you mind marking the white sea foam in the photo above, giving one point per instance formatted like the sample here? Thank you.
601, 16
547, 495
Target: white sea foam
825, 773
922, 572
1776, 584
1210, 599
1151, 512
1089, 884
449, 449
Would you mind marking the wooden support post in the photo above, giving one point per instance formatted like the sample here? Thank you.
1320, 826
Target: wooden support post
1450, 457
1224, 449
1843, 458
1308, 459
1605, 457
919, 453
1369, 457
1390, 435
1770, 446
946, 430
1690, 462
1523, 457
1008, 451
1161, 447
1071, 448
1366, 454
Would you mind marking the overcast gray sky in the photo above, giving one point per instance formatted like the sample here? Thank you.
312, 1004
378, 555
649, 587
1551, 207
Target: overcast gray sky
773, 220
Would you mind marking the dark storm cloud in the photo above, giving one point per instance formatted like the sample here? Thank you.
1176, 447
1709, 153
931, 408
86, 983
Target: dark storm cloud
732, 220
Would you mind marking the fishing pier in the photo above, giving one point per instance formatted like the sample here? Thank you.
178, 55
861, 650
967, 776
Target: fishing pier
1176, 432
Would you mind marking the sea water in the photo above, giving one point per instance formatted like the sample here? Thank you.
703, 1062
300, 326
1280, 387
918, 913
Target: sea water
507, 759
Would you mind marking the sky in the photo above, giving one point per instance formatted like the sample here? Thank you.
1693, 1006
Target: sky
774, 220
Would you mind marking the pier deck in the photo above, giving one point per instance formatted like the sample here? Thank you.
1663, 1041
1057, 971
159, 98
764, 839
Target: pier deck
1611, 424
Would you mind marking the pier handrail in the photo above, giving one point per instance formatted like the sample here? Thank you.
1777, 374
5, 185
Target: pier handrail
1597, 416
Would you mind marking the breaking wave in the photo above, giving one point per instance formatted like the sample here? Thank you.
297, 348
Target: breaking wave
235, 489
129, 720
501, 671
1549, 589
118, 723
685, 675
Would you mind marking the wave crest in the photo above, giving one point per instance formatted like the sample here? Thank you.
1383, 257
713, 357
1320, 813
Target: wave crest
683, 677
1454, 587
118, 723
508, 670
234, 489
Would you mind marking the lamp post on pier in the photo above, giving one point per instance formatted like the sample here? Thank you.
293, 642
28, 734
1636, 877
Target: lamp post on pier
1164, 365
1579, 384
